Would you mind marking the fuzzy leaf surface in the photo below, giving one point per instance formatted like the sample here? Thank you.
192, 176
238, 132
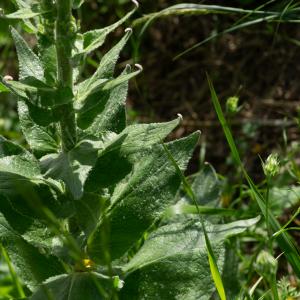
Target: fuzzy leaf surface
31, 265
206, 186
41, 139
117, 157
24, 13
29, 63
77, 286
104, 71
38, 93
111, 114
15, 159
143, 197
173, 264
103, 100
72, 167
94, 39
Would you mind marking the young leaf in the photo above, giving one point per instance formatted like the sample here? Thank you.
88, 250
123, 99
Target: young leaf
113, 115
40, 139
14, 159
105, 69
101, 97
172, 263
29, 64
27, 24
24, 13
148, 191
95, 38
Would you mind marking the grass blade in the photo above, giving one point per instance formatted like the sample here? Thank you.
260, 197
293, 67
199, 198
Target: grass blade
285, 241
211, 257
13, 274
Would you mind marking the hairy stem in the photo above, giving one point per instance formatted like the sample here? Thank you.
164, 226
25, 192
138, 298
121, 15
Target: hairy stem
65, 36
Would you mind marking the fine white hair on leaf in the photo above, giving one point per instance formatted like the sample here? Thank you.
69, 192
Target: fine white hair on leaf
180, 117
135, 3
8, 78
128, 29
140, 67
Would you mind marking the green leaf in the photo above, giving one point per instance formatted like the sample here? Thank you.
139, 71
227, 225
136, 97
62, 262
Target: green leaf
104, 71
15, 159
26, 24
112, 115
31, 230
31, 196
29, 63
142, 199
48, 57
31, 265
206, 186
38, 93
95, 38
77, 286
42, 116
231, 275
88, 211
42, 140
211, 256
117, 156
172, 263
99, 100
72, 167
21, 182
24, 13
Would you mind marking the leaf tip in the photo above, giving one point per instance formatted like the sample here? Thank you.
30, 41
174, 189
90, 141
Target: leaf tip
128, 29
12, 29
139, 67
136, 3
198, 132
8, 78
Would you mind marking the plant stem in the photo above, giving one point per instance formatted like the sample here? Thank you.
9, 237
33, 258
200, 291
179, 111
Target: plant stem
274, 288
267, 208
65, 36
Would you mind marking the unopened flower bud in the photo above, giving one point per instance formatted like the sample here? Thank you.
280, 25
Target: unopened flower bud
232, 105
271, 165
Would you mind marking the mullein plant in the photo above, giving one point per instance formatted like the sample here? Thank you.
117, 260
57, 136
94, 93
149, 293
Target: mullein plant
82, 207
